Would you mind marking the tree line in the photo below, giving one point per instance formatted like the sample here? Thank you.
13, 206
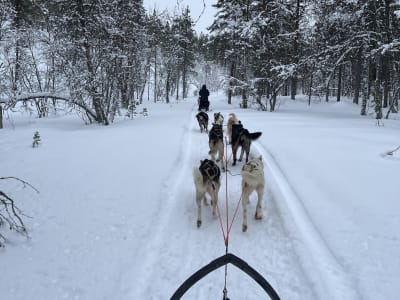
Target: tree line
316, 47
96, 56
99, 56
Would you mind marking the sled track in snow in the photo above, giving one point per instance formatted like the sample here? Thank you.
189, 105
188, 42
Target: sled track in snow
330, 279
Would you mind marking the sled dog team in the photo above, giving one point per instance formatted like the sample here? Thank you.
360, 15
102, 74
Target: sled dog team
207, 176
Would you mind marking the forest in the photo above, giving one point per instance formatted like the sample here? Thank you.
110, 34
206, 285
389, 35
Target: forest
100, 56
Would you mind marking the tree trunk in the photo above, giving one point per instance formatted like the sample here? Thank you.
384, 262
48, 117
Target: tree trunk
231, 73
244, 98
155, 75
386, 59
339, 88
364, 96
378, 89
327, 92
122, 82
272, 102
17, 21
293, 80
357, 67
1, 116
177, 86
167, 87
96, 96
310, 87
184, 82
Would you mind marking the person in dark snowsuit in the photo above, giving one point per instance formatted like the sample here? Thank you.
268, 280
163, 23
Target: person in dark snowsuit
204, 103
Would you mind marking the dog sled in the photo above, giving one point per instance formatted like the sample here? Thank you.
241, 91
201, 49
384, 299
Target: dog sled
204, 105
223, 261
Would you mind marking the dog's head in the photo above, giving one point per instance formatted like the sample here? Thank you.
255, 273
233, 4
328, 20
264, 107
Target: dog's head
209, 170
232, 118
254, 164
218, 118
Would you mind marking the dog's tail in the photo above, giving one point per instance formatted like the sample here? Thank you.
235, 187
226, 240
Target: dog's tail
254, 135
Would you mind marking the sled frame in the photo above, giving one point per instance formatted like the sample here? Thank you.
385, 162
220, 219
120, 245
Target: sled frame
222, 261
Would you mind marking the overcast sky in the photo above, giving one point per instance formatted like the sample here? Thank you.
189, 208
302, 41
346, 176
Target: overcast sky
196, 7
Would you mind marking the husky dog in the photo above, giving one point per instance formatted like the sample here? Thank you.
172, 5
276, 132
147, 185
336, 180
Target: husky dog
231, 120
252, 180
242, 137
202, 118
218, 118
216, 143
207, 180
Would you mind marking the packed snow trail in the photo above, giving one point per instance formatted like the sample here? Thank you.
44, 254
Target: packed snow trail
116, 215
330, 280
183, 248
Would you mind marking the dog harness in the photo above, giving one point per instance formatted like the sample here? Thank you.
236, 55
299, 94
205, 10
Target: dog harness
216, 133
209, 170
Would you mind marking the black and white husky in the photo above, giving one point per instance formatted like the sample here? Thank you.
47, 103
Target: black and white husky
202, 118
216, 144
207, 180
241, 137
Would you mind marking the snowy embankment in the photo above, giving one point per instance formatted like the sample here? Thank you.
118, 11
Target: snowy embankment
116, 214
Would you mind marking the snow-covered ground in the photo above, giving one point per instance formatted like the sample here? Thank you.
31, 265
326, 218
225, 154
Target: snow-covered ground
116, 218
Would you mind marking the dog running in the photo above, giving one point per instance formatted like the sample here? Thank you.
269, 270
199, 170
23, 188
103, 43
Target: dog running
216, 143
202, 118
207, 180
252, 180
241, 137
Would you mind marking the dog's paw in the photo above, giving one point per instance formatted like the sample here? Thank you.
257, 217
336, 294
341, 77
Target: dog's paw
244, 228
198, 223
258, 216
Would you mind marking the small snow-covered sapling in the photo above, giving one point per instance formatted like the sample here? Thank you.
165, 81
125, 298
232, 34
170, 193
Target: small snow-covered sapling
36, 139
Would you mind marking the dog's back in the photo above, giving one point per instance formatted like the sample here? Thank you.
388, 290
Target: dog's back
241, 137
207, 180
236, 129
202, 118
216, 133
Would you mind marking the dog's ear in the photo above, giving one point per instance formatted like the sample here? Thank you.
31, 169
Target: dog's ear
260, 158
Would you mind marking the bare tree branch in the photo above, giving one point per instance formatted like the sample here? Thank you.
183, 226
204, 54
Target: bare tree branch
10, 213
23, 181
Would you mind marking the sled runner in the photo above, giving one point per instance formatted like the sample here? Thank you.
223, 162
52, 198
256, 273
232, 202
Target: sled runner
222, 261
